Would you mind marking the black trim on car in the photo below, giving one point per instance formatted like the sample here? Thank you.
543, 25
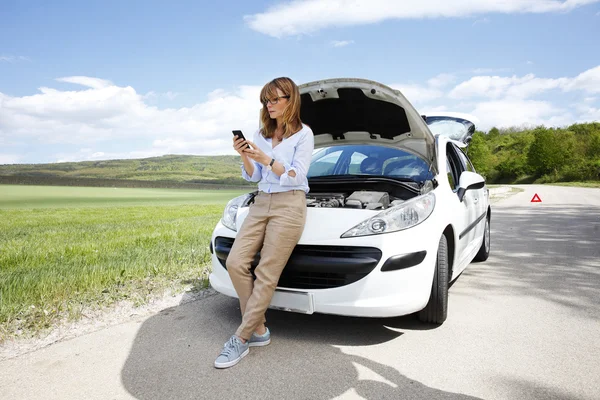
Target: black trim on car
463, 233
315, 266
403, 261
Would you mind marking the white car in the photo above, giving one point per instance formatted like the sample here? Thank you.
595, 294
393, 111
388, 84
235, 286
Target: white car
395, 213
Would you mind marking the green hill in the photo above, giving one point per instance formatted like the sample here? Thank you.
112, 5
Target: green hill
164, 171
540, 155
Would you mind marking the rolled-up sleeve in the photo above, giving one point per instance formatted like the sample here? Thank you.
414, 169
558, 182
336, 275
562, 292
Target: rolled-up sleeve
256, 175
300, 161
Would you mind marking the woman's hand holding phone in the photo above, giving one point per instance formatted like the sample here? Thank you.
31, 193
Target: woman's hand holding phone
256, 154
239, 142
247, 148
239, 145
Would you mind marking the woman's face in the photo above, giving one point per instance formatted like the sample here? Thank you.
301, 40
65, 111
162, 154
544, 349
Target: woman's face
276, 110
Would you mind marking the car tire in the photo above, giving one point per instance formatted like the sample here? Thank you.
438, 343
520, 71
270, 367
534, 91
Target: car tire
484, 250
436, 309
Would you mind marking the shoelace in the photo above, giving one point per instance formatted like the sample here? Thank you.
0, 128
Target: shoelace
229, 347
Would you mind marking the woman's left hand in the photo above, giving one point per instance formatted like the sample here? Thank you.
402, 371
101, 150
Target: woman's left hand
257, 154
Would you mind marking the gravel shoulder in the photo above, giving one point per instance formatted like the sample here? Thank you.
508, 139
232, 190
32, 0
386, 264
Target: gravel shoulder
95, 320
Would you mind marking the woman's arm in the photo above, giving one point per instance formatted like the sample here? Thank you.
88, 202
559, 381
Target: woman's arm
247, 165
294, 173
251, 171
290, 174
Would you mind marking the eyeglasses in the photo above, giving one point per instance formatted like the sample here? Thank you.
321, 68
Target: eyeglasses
274, 101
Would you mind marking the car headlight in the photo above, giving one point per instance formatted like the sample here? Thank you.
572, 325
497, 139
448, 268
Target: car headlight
230, 212
402, 216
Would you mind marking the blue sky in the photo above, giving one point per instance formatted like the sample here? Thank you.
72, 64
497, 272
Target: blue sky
90, 80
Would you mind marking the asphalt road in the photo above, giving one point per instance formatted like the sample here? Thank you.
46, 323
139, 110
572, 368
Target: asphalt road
523, 325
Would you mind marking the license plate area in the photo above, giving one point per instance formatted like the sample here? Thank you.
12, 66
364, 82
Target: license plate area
288, 300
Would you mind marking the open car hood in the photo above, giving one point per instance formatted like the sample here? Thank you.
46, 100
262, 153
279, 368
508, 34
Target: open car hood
360, 111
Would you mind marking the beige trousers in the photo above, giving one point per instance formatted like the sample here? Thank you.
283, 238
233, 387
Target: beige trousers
273, 225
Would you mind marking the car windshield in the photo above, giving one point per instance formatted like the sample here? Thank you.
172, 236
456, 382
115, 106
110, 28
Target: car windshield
454, 128
373, 160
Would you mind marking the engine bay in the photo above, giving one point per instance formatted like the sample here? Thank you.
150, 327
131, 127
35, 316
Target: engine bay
361, 199
367, 194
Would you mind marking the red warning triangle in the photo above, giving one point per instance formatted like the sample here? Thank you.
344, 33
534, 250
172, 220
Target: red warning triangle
536, 199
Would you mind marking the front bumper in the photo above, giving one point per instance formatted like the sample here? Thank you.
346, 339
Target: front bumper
375, 293
316, 266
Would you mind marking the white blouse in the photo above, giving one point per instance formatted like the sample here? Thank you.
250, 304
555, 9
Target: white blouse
294, 153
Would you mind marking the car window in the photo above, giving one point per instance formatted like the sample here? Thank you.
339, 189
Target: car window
451, 178
455, 166
370, 160
465, 160
406, 166
355, 160
323, 163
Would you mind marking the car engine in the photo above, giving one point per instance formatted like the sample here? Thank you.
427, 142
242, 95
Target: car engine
363, 199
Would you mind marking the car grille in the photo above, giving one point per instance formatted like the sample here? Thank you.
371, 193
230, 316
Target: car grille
316, 267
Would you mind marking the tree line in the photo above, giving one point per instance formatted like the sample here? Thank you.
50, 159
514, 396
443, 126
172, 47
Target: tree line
540, 155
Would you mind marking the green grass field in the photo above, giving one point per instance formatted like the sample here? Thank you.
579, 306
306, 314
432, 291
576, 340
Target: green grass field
22, 196
66, 248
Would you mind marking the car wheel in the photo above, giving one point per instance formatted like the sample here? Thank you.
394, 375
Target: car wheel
484, 250
436, 310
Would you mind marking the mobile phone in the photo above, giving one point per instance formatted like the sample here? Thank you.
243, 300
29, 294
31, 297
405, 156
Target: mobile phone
240, 135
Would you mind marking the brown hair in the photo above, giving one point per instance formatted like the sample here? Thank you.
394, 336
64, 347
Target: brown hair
291, 114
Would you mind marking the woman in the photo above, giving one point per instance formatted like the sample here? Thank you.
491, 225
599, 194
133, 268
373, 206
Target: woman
278, 160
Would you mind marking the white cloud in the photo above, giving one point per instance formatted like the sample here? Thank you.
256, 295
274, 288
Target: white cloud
170, 95
481, 21
529, 62
12, 59
588, 81
479, 71
153, 95
526, 86
105, 121
518, 113
589, 114
104, 116
341, 43
94, 83
442, 80
435, 110
418, 94
10, 158
507, 99
306, 16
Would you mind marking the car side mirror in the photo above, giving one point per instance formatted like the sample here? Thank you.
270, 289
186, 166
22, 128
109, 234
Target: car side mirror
469, 180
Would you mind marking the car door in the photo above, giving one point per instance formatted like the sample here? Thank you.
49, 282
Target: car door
467, 208
479, 197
